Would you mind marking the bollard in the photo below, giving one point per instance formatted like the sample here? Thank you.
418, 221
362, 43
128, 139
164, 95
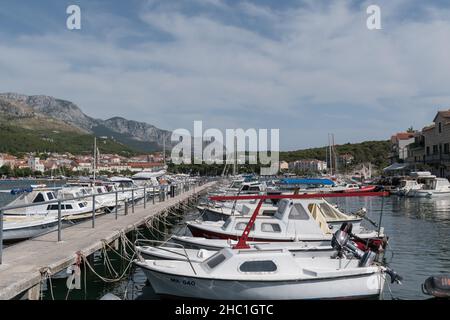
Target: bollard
1, 236
145, 197
117, 204
126, 207
153, 195
93, 211
59, 220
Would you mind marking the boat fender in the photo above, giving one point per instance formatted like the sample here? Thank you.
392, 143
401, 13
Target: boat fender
110, 296
437, 286
74, 280
395, 277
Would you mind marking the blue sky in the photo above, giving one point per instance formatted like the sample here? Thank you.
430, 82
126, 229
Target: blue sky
306, 67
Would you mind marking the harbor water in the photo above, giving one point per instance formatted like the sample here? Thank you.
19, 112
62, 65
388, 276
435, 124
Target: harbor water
419, 246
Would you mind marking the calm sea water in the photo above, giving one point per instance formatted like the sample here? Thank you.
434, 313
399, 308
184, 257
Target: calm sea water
419, 231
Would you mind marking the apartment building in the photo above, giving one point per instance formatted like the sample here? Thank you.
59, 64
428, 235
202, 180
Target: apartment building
308, 165
399, 146
431, 146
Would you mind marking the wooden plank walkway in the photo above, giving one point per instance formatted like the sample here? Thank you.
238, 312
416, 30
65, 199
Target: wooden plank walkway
22, 262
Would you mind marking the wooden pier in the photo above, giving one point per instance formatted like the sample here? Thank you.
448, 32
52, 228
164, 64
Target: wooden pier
23, 263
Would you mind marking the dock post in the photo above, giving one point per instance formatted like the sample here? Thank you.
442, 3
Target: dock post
153, 194
132, 201
145, 197
117, 204
34, 293
1, 236
59, 220
93, 211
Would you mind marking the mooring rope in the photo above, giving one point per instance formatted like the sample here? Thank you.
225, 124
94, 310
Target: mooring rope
46, 275
104, 279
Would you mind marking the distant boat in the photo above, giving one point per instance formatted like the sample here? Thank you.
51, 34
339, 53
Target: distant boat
432, 187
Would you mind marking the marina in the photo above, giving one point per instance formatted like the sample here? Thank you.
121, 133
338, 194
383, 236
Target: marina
22, 263
232, 155
28, 275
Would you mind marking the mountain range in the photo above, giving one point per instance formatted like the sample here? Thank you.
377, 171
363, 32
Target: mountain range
44, 112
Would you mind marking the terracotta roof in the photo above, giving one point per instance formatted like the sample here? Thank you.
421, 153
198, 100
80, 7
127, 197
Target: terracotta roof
403, 135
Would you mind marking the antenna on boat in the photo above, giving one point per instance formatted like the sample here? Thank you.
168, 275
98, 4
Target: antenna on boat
164, 149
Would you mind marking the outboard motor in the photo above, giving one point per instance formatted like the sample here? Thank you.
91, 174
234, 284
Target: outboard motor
342, 242
341, 239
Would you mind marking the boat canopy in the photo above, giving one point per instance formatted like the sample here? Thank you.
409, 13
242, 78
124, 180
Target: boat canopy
306, 181
396, 167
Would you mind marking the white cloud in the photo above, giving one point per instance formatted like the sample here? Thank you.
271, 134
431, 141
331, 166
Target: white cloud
317, 65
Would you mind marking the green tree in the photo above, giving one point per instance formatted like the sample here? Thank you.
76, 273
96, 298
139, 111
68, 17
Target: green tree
6, 171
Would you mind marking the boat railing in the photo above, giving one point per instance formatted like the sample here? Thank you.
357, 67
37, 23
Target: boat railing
162, 191
138, 243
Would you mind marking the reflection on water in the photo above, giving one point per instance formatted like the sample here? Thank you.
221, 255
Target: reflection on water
418, 229
419, 237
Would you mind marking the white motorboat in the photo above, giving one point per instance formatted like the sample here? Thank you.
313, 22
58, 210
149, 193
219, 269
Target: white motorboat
432, 187
308, 220
242, 187
124, 185
223, 210
148, 178
406, 186
69, 208
175, 251
264, 274
24, 227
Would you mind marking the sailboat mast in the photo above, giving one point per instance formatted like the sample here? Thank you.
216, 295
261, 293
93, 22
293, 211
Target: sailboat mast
235, 157
164, 149
330, 153
95, 156
335, 157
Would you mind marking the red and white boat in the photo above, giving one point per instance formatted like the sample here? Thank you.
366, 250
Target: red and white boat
312, 221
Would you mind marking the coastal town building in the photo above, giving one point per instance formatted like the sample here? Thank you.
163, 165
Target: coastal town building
34, 163
7, 160
313, 165
284, 165
399, 146
55, 163
428, 149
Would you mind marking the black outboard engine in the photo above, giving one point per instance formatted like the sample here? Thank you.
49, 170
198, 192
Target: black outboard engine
437, 286
342, 243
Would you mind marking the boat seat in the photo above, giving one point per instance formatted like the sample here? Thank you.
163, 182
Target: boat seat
318, 217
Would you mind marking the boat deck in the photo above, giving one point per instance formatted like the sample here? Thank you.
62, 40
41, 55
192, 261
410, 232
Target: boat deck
23, 262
